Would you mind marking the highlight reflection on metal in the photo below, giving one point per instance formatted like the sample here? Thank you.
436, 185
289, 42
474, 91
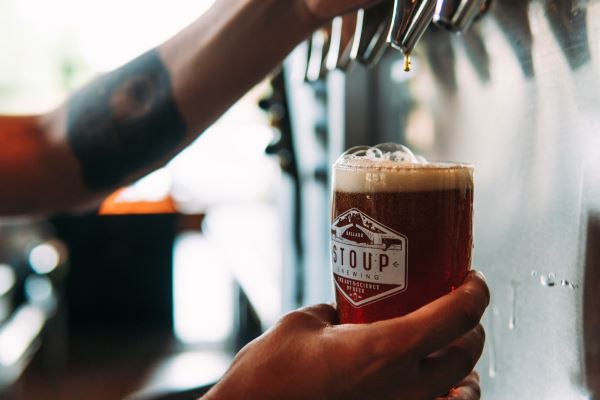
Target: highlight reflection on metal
317, 55
342, 37
348, 29
335, 44
411, 19
457, 15
372, 27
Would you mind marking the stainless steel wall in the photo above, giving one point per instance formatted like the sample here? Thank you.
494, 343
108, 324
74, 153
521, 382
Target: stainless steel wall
519, 97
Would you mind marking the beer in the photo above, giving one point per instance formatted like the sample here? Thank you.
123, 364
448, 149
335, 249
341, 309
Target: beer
401, 233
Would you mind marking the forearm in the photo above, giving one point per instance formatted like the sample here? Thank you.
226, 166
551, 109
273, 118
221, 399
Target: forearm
158, 104
228, 50
134, 119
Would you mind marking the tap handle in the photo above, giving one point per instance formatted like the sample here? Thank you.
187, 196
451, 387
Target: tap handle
411, 19
457, 15
348, 29
317, 54
372, 26
342, 37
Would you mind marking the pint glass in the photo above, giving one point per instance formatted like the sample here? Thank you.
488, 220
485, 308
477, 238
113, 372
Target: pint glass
401, 231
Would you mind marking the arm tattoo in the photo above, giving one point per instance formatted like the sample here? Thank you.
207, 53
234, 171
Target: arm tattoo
124, 121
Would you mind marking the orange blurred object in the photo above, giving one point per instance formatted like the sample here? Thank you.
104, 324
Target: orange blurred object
116, 205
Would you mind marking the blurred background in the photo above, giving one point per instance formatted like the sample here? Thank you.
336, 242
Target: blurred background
144, 297
154, 292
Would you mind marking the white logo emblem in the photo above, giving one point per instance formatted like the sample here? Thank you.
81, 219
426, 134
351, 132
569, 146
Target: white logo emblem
369, 260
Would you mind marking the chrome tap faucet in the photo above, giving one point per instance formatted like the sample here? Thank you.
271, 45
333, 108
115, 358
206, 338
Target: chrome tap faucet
342, 38
457, 15
372, 27
318, 48
411, 19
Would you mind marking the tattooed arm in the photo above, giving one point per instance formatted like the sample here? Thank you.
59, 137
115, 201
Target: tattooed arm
133, 120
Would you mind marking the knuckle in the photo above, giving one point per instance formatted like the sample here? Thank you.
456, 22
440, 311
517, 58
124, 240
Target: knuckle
476, 389
297, 318
465, 360
467, 317
322, 307
480, 290
477, 341
326, 310
469, 349
469, 311
480, 333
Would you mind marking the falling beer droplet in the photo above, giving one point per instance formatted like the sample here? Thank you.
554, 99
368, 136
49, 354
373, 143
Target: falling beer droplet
407, 63
495, 312
512, 320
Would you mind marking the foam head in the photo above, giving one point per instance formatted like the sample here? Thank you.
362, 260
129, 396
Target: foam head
394, 168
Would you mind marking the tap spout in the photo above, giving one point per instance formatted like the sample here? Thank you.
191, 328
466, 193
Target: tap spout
410, 20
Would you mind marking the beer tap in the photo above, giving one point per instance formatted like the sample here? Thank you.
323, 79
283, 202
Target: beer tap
411, 19
370, 37
457, 15
318, 49
342, 37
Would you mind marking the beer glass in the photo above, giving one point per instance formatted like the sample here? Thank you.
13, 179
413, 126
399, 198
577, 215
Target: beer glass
401, 231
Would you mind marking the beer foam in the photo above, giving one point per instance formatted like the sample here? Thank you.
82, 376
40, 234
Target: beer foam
391, 167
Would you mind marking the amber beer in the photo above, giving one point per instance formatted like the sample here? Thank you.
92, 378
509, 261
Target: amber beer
401, 235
